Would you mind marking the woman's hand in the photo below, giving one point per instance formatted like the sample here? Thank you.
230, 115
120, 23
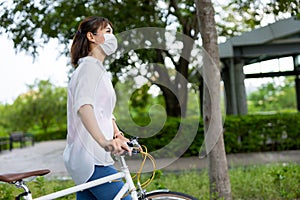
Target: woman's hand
117, 146
121, 136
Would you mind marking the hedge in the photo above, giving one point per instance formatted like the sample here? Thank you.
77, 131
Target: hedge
248, 133
256, 133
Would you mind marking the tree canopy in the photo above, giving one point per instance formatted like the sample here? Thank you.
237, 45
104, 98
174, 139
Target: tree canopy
273, 96
239, 16
43, 106
31, 24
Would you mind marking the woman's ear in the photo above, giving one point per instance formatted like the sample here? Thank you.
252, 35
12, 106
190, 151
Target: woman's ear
90, 36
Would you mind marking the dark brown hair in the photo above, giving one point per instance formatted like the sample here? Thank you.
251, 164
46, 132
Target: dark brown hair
81, 45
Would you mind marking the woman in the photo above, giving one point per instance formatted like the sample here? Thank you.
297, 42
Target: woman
92, 132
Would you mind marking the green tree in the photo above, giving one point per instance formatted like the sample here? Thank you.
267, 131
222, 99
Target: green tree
4, 120
239, 16
42, 106
140, 101
272, 96
19, 115
48, 104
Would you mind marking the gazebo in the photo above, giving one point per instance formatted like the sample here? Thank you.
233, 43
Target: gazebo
277, 40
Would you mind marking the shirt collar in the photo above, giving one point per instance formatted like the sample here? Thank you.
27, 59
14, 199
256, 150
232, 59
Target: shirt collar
91, 59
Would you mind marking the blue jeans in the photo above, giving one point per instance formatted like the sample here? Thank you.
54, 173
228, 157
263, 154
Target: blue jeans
106, 191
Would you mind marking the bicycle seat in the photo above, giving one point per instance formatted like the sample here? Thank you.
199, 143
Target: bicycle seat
9, 178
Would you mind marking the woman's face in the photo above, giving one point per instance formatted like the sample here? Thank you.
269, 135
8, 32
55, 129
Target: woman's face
99, 38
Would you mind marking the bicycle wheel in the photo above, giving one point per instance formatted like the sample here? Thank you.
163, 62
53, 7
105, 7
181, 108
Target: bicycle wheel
165, 194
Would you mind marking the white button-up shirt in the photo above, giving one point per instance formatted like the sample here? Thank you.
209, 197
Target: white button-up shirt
90, 84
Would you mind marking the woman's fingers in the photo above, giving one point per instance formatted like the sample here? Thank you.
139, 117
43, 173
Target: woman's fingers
121, 137
117, 146
122, 146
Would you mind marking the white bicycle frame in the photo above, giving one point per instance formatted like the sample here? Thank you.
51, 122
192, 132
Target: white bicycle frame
124, 173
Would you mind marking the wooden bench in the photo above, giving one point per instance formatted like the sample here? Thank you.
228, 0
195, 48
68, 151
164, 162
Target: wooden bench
4, 141
20, 137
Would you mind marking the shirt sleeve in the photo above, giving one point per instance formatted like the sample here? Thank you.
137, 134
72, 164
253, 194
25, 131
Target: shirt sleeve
86, 84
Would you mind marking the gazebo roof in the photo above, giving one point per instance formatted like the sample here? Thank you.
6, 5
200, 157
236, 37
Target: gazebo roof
279, 39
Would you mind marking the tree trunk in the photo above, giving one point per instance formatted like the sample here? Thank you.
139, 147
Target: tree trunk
213, 127
178, 94
174, 92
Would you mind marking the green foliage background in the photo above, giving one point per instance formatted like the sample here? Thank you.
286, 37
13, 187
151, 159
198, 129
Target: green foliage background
251, 133
273, 96
42, 112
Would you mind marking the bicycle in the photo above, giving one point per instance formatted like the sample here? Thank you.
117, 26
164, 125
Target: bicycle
129, 188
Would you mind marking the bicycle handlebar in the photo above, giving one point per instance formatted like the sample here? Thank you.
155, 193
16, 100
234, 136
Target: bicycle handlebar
134, 145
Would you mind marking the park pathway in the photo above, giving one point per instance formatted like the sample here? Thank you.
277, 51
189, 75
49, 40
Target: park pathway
48, 155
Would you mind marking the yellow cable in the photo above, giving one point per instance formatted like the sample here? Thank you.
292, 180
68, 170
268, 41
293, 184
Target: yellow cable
146, 155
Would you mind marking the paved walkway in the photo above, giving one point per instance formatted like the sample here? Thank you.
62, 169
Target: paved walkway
48, 155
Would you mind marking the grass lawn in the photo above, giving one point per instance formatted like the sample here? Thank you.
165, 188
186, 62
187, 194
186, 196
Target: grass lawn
272, 181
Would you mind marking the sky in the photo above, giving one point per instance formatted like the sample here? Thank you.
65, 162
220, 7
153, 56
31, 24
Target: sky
274, 65
19, 70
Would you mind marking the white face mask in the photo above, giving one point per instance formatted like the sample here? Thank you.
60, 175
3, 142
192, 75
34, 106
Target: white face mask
110, 44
